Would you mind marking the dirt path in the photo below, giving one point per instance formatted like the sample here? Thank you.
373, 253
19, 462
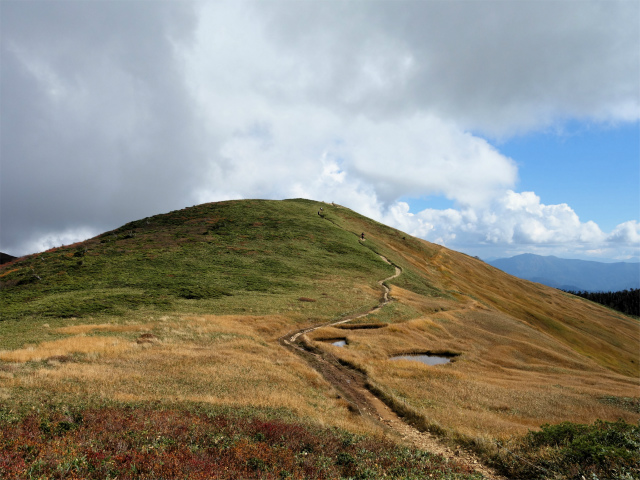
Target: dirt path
351, 385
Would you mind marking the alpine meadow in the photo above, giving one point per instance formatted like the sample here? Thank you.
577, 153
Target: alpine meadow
254, 339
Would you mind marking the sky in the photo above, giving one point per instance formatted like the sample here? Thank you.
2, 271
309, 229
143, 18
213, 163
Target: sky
491, 127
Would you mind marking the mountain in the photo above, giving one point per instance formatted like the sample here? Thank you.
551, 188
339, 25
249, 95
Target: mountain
233, 309
574, 275
6, 258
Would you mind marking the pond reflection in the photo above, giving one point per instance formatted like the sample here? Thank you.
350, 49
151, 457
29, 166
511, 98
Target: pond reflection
425, 358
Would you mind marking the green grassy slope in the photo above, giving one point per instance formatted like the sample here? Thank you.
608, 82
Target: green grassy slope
226, 257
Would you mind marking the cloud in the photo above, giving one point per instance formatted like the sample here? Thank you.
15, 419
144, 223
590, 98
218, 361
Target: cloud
492, 66
513, 218
517, 223
52, 239
114, 111
417, 156
278, 137
97, 126
627, 232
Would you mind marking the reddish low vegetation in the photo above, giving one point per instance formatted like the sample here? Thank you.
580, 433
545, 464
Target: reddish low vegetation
142, 443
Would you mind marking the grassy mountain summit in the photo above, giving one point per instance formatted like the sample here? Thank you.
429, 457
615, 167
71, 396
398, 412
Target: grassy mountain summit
231, 256
186, 308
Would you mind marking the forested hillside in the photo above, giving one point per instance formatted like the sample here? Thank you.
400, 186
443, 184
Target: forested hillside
626, 301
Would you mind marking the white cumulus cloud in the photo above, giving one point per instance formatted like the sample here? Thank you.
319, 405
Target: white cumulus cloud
518, 222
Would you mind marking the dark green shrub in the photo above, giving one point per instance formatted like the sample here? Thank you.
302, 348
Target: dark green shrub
603, 451
345, 459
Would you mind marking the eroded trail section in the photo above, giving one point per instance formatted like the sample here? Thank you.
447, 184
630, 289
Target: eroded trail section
352, 387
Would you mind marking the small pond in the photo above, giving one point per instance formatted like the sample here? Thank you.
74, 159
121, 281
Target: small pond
338, 342
426, 358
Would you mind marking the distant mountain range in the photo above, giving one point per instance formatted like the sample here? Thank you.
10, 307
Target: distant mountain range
575, 275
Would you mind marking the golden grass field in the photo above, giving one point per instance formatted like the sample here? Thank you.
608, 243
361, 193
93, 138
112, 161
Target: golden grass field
219, 360
527, 354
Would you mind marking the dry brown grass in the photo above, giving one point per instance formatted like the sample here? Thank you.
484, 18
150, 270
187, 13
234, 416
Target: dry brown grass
103, 327
530, 354
229, 360
103, 346
609, 338
512, 375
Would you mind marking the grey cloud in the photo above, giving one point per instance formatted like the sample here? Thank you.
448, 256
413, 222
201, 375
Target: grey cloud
494, 66
97, 125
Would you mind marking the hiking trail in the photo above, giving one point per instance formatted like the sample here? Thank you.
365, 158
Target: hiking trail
351, 385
